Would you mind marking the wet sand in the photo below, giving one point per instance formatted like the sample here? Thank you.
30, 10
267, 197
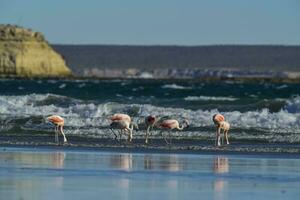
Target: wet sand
64, 173
179, 145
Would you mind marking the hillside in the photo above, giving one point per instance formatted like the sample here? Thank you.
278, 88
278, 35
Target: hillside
26, 53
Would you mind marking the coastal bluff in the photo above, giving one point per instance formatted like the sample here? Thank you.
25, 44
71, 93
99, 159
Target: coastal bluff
26, 53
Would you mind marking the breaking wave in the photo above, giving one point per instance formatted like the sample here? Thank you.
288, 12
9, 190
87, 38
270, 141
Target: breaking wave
175, 86
209, 98
90, 117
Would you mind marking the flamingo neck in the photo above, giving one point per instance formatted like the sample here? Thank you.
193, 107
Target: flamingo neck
183, 125
131, 127
61, 129
180, 128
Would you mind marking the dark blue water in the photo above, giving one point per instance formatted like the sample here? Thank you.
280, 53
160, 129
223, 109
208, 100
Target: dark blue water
183, 94
256, 110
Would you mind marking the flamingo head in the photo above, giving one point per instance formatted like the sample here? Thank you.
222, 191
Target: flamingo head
150, 120
186, 122
135, 126
217, 118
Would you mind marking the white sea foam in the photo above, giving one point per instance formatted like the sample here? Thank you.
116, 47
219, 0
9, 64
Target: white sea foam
62, 86
282, 87
209, 98
91, 116
175, 86
293, 105
81, 85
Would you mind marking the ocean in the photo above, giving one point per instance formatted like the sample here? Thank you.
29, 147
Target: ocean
261, 162
259, 112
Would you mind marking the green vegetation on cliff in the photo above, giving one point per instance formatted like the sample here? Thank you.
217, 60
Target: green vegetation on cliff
25, 53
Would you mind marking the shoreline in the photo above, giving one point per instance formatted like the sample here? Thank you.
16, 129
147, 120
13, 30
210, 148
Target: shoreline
156, 146
202, 79
282, 155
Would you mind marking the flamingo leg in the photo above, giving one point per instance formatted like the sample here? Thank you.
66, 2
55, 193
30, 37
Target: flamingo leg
226, 135
170, 138
147, 134
128, 134
223, 137
56, 134
63, 134
150, 130
120, 134
216, 137
116, 136
165, 138
218, 143
131, 134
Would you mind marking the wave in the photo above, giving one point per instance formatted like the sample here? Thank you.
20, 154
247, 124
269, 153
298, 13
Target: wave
282, 87
293, 105
209, 98
83, 117
175, 86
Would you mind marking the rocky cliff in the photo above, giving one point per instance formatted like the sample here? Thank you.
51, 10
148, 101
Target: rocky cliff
25, 53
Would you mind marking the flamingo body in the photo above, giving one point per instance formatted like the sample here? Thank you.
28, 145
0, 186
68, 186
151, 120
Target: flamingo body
120, 117
225, 125
57, 120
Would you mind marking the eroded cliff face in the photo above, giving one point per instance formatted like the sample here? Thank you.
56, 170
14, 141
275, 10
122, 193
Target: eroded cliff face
26, 53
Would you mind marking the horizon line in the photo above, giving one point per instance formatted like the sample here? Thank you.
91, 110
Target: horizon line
174, 45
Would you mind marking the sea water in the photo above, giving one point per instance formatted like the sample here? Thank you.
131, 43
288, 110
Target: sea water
258, 111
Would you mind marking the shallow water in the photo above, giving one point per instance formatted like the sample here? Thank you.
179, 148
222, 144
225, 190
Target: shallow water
72, 174
269, 112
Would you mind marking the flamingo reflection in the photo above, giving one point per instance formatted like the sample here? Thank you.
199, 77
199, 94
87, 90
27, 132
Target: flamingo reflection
221, 166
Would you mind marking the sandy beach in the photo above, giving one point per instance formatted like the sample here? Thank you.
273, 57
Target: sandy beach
62, 173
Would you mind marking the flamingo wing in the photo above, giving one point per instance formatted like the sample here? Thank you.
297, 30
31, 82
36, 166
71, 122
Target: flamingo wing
119, 117
56, 119
168, 124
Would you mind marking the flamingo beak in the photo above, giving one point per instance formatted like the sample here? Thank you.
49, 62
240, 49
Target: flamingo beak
187, 123
45, 120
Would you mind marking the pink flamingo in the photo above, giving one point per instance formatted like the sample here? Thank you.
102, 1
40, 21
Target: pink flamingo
150, 122
219, 121
172, 124
59, 122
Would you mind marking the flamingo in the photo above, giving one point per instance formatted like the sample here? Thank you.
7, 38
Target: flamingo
120, 117
172, 124
123, 125
150, 122
59, 122
219, 121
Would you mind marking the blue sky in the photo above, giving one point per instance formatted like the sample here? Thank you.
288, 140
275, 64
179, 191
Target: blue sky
152, 22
